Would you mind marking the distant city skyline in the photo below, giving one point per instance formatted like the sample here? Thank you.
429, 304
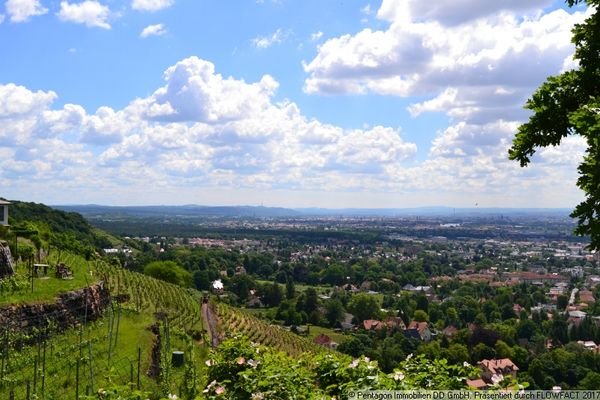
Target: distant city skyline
360, 104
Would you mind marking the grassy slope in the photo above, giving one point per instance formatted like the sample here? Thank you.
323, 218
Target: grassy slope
48, 288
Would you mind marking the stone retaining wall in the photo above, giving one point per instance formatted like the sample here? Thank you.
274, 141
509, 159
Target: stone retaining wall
69, 310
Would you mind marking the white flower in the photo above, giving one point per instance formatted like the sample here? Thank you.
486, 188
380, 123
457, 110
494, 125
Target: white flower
172, 396
398, 376
353, 364
208, 363
466, 364
408, 357
257, 396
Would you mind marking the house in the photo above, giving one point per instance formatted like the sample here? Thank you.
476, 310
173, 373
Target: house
325, 341
4, 212
588, 344
450, 331
494, 371
394, 323
418, 330
370, 324
476, 384
586, 296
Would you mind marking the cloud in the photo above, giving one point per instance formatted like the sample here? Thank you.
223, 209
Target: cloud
316, 36
263, 42
18, 101
23, 10
151, 5
89, 12
454, 12
194, 92
1, 18
203, 133
422, 58
153, 30
199, 129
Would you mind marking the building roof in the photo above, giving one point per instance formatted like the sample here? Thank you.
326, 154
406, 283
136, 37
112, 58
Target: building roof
322, 339
476, 383
4, 202
369, 324
419, 326
499, 366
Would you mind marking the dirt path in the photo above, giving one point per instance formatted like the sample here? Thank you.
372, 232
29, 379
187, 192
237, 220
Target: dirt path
210, 322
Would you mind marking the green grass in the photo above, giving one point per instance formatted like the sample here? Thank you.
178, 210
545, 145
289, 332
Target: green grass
48, 288
317, 330
300, 287
114, 241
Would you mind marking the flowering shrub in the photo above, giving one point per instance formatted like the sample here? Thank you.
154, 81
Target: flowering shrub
420, 372
239, 369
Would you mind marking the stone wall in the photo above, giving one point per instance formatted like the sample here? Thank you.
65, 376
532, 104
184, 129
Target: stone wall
6, 262
69, 310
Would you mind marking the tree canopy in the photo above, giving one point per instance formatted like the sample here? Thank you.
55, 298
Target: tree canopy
569, 104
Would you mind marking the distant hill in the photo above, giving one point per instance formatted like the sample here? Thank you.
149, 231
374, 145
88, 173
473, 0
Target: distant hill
186, 211
27, 217
197, 211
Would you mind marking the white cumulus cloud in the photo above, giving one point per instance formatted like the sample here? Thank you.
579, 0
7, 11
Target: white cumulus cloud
151, 5
153, 30
23, 10
89, 12
202, 133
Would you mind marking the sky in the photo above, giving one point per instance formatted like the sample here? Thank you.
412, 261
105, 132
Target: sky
294, 103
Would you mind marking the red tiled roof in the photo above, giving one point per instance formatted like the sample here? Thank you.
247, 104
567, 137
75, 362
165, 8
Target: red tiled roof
499, 366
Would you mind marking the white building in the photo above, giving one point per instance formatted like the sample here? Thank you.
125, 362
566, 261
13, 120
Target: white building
4, 212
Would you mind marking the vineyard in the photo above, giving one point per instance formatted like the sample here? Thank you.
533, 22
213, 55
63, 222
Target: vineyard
130, 345
143, 293
234, 322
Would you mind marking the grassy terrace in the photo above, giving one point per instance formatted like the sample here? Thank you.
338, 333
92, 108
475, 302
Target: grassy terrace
17, 290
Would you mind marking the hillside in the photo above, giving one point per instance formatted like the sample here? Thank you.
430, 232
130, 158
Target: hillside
68, 230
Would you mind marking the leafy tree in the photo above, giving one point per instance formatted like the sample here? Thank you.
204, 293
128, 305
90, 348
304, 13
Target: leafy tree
241, 285
290, 288
201, 280
591, 381
569, 104
272, 294
481, 352
334, 311
169, 271
364, 306
421, 316
562, 302
457, 353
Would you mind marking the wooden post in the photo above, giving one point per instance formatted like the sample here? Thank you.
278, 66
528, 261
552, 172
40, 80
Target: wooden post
139, 362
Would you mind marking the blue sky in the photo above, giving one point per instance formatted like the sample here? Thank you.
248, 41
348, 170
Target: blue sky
393, 103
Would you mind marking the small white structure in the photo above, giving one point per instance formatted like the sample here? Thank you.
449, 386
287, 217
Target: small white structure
217, 286
4, 212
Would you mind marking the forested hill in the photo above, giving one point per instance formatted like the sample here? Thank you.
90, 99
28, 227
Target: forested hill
69, 228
